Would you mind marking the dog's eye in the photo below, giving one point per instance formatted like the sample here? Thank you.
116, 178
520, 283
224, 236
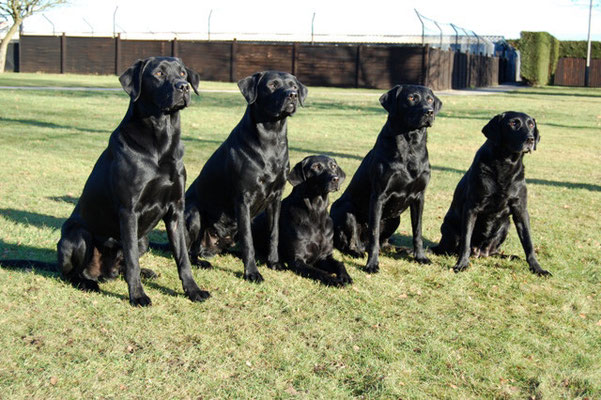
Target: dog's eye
531, 124
430, 100
182, 73
514, 123
274, 85
159, 74
411, 97
317, 167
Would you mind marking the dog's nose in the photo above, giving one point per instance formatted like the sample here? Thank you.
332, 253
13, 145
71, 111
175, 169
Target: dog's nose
182, 86
429, 112
293, 95
530, 140
335, 179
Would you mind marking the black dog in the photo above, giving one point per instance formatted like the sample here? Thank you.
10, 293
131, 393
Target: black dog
490, 191
306, 229
246, 174
391, 177
138, 180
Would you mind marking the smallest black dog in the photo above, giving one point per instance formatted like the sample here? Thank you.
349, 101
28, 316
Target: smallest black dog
306, 229
490, 191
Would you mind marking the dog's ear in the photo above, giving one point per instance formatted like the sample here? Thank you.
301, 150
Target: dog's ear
297, 175
302, 92
193, 79
437, 104
249, 87
536, 134
492, 130
340, 173
131, 79
389, 99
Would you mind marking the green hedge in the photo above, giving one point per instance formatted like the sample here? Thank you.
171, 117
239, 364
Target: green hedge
540, 53
578, 49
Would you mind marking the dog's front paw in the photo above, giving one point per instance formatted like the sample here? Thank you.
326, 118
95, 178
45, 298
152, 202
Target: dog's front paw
140, 300
422, 259
345, 279
198, 295
372, 267
255, 277
460, 267
540, 272
276, 266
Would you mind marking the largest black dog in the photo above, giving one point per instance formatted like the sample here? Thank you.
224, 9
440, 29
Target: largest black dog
491, 190
391, 177
246, 174
138, 180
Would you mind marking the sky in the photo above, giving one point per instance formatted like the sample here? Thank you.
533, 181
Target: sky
564, 19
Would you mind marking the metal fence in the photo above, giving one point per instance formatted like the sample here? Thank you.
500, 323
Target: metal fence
448, 36
318, 64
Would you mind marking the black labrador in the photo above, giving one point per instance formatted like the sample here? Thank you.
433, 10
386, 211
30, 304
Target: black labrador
306, 229
392, 177
491, 190
245, 175
138, 180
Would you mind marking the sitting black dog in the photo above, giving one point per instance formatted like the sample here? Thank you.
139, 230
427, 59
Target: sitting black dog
138, 180
306, 229
391, 177
246, 174
490, 191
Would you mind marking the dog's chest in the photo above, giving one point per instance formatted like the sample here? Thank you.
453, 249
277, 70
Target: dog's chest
162, 188
403, 187
316, 236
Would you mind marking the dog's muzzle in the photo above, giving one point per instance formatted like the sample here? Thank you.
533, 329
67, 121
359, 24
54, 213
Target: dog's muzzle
528, 145
291, 101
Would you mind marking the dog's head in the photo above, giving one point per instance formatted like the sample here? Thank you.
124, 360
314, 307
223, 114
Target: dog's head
515, 131
321, 173
160, 82
413, 106
277, 94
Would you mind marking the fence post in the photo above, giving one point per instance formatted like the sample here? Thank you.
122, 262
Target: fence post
358, 66
233, 61
174, 47
63, 52
294, 58
117, 53
425, 64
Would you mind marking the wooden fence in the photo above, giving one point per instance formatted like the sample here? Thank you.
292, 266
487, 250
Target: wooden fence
325, 64
570, 72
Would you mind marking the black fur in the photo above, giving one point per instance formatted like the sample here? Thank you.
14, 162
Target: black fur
246, 174
137, 181
391, 178
492, 190
306, 229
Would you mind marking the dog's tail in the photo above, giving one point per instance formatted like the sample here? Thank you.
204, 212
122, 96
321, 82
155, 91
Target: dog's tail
29, 265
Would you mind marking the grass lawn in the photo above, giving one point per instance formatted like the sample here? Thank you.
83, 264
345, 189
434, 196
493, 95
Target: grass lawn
411, 331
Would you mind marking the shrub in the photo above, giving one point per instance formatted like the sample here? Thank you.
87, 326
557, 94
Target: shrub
540, 52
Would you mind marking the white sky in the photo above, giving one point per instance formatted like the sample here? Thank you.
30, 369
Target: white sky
565, 19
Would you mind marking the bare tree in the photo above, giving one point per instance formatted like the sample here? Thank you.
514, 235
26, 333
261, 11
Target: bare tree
18, 10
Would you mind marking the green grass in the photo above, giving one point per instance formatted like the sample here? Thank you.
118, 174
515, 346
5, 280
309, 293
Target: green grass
411, 331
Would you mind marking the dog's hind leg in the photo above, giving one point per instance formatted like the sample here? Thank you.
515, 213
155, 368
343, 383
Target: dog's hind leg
303, 269
77, 257
347, 235
330, 264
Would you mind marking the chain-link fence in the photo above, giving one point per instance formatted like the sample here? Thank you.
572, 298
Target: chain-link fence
448, 36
